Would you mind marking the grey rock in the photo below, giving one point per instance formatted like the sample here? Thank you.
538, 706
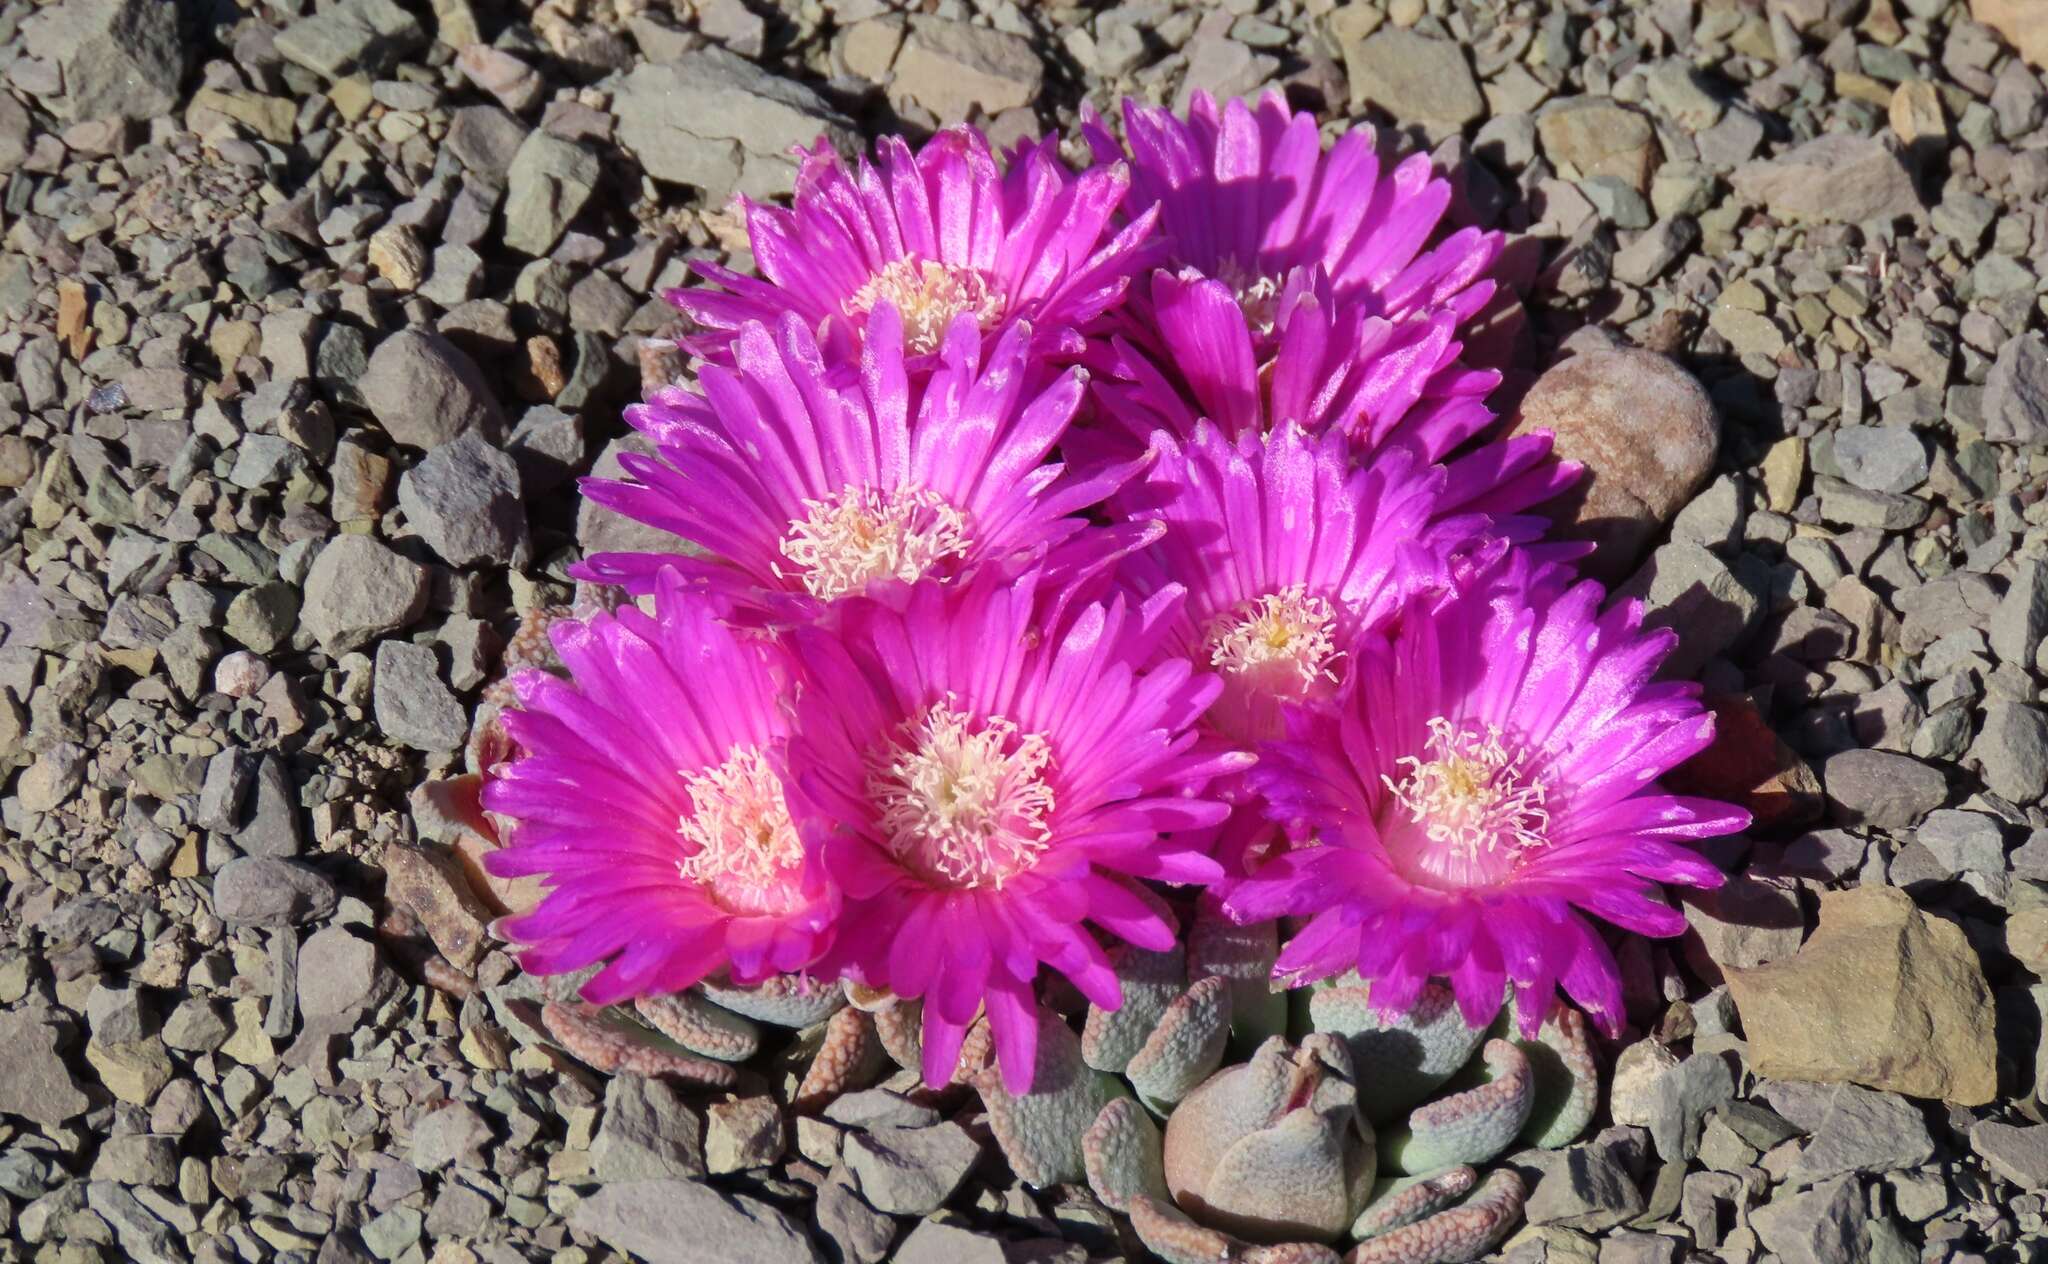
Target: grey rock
451, 1136
1824, 1225
137, 1159
1654, 250
878, 1107
721, 123
1590, 1186
1964, 842
271, 891
2012, 751
1413, 77
1744, 922
602, 530
355, 35
2016, 392
14, 141
1845, 503
862, 1234
413, 706
684, 1222
648, 1133
1863, 1131
424, 391
357, 590
143, 1236
549, 181
1713, 605
116, 58
53, 778
953, 68
119, 1015
196, 1026
338, 973
229, 774
270, 815
1881, 458
38, 1085
486, 139
911, 1171
1838, 177
262, 617
937, 1242
464, 500
2016, 1152
2021, 620
1882, 789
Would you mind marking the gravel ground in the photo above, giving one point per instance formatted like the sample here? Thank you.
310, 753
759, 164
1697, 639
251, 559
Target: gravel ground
310, 310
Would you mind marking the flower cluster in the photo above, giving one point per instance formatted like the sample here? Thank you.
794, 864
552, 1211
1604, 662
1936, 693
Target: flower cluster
1050, 539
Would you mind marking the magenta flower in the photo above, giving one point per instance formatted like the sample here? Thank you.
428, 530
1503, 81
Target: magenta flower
649, 794
1486, 782
938, 234
1329, 367
1246, 195
986, 770
1287, 552
804, 483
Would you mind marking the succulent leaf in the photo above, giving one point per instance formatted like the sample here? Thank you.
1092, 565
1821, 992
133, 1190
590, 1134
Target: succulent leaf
1567, 1080
785, 1000
1403, 1200
608, 1044
1120, 1152
1220, 948
1151, 981
849, 1057
1468, 1127
1186, 1044
1041, 1132
700, 1026
1399, 1060
1462, 1233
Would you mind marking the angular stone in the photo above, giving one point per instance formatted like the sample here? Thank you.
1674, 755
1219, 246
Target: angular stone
2018, 1153
1863, 1131
1597, 136
1881, 995
2012, 751
1881, 458
357, 590
117, 59
721, 123
1882, 789
38, 1085
549, 182
464, 500
412, 703
2021, 620
911, 1171
1413, 78
449, 1136
1838, 177
425, 392
953, 68
684, 1222
354, 35
1964, 842
338, 973
649, 1133
429, 883
270, 891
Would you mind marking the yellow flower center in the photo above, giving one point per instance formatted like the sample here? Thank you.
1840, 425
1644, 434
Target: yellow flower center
846, 541
1472, 794
929, 296
961, 805
1282, 643
744, 847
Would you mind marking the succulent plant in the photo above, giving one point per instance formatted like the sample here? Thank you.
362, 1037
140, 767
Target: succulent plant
1371, 1129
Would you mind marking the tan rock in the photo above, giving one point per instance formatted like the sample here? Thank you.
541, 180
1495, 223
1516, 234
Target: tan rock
1596, 136
952, 68
1881, 995
431, 884
134, 1072
1646, 433
2023, 23
1916, 113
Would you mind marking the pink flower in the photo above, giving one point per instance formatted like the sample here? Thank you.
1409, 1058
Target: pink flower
1246, 195
649, 793
1485, 784
940, 234
804, 481
986, 771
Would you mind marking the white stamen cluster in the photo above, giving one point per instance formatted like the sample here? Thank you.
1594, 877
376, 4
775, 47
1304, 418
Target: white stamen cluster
929, 296
1258, 295
846, 541
738, 824
1472, 794
1285, 640
964, 804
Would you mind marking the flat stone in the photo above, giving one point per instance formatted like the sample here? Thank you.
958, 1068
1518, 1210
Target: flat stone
1825, 1225
744, 1133
1413, 78
1881, 995
1863, 1131
1964, 842
550, 180
1598, 136
358, 590
1881, 458
911, 1171
1591, 1186
338, 973
684, 1222
270, 814
38, 1086
953, 68
1744, 922
413, 705
450, 1136
2016, 392
1835, 177
429, 883
723, 124
2021, 620
272, 891
648, 1133
1882, 788
2017, 1153
118, 59
354, 35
